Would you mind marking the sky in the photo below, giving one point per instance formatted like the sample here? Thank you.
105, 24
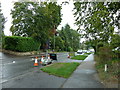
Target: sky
67, 17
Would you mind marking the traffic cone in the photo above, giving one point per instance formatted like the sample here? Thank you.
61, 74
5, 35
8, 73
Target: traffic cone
41, 60
48, 57
36, 61
68, 56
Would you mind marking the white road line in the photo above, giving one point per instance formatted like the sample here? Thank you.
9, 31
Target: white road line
2, 81
17, 77
7, 63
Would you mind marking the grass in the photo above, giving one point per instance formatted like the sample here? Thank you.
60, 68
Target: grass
88, 53
79, 57
113, 71
61, 69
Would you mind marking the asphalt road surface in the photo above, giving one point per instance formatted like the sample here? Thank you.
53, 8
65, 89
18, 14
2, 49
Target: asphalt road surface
19, 72
16, 67
13, 66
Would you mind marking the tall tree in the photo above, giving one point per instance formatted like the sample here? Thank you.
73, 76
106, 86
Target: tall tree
96, 19
70, 37
34, 20
2, 21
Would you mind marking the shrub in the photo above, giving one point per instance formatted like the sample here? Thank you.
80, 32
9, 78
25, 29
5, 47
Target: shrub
21, 44
105, 54
69, 49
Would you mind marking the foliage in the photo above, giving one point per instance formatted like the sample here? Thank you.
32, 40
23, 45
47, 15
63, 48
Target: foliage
59, 43
2, 21
33, 20
115, 41
98, 20
70, 37
69, 49
21, 44
79, 57
61, 69
113, 71
105, 54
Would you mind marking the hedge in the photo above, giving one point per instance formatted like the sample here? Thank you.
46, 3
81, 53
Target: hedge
21, 44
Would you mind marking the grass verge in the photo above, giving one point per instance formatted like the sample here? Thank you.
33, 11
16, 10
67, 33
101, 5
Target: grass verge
61, 69
79, 57
109, 78
88, 53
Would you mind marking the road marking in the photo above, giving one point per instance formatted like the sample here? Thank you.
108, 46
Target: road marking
2, 81
19, 76
7, 63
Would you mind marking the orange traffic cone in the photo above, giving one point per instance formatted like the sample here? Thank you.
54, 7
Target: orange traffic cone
36, 61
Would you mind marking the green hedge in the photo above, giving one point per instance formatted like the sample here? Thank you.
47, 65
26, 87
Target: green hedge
21, 44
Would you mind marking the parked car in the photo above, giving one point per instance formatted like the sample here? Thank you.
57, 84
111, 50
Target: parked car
79, 52
84, 51
91, 50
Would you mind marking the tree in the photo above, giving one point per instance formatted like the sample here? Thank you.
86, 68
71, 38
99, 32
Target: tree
33, 20
96, 19
115, 41
70, 37
59, 43
2, 21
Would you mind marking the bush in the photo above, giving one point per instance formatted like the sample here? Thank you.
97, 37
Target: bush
69, 49
104, 54
21, 44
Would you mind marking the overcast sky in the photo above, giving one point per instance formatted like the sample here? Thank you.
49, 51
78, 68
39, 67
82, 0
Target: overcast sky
66, 11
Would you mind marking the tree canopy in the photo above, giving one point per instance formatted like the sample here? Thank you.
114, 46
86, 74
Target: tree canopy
70, 37
33, 20
98, 19
2, 21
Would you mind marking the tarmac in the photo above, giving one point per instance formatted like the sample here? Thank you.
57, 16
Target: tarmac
85, 76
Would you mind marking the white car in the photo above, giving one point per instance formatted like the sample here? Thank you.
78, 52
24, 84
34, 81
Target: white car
91, 50
79, 52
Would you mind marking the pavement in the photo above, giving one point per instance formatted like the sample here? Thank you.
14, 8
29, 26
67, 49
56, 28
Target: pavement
85, 76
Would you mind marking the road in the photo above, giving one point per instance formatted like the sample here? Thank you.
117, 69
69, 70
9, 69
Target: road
22, 73
16, 67
13, 66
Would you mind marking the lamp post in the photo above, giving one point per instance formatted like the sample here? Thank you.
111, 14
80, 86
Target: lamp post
56, 34
72, 43
54, 43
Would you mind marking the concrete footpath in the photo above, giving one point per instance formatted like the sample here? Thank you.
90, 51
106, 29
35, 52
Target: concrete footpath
85, 76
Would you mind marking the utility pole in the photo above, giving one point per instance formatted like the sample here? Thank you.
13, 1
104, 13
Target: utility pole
54, 42
72, 43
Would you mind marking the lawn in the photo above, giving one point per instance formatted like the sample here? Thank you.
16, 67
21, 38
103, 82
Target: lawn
79, 57
88, 53
61, 69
